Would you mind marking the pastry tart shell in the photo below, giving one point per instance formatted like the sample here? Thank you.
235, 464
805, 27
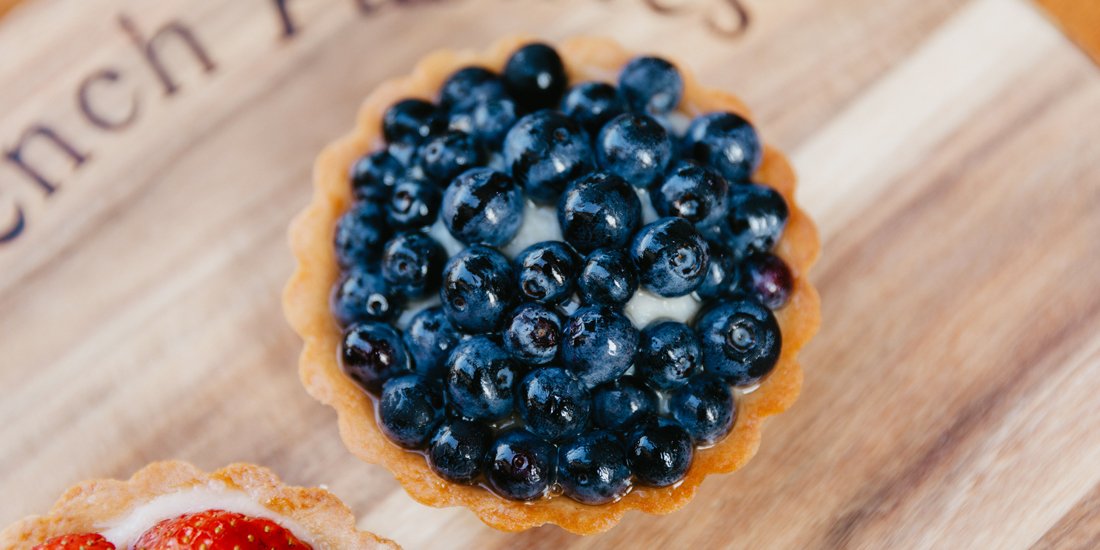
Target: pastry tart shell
306, 304
87, 507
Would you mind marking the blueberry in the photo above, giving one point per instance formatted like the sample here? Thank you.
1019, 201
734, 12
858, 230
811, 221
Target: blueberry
413, 263
659, 451
364, 296
635, 148
608, 277
371, 353
488, 120
410, 409
547, 271
414, 203
705, 408
520, 466
429, 339
668, 354
725, 142
533, 334
693, 192
374, 174
544, 152
740, 339
671, 257
592, 104
758, 214
359, 236
470, 83
769, 279
535, 76
723, 276
592, 469
553, 403
449, 154
599, 210
622, 402
481, 379
651, 85
411, 121
483, 206
599, 344
457, 450
478, 289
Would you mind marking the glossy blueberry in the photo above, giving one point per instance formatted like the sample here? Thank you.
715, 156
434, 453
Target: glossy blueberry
410, 409
483, 206
429, 340
533, 334
520, 465
758, 214
371, 353
481, 379
725, 142
659, 451
411, 121
414, 203
740, 340
545, 151
470, 83
622, 402
592, 104
449, 154
693, 192
768, 278
373, 175
592, 469
360, 234
599, 210
723, 275
553, 403
488, 120
669, 354
535, 76
671, 257
608, 277
651, 85
457, 450
547, 271
364, 296
634, 147
412, 263
478, 289
599, 344
704, 407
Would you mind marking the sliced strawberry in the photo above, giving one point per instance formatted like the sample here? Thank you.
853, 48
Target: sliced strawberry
86, 541
218, 530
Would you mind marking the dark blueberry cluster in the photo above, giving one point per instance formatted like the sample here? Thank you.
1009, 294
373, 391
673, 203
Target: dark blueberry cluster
523, 371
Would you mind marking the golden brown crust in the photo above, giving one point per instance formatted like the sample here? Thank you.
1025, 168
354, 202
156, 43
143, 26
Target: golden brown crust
89, 505
305, 301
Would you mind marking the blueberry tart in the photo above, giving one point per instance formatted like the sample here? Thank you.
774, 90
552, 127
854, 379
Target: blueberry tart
552, 284
175, 506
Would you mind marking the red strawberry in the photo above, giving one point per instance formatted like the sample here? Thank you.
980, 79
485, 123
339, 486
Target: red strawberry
218, 530
87, 541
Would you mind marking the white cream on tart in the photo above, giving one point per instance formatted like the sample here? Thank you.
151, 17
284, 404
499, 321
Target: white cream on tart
125, 530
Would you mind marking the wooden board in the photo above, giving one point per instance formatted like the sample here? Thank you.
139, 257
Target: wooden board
949, 150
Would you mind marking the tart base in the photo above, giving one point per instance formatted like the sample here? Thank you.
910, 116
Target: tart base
87, 507
306, 305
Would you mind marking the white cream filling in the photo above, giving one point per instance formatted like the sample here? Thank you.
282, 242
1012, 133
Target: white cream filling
124, 531
645, 307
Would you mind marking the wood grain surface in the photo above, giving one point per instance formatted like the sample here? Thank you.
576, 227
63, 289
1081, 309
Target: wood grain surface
949, 151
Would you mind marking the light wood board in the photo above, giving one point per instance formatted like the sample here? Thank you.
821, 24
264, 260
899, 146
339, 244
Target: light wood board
949, 151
